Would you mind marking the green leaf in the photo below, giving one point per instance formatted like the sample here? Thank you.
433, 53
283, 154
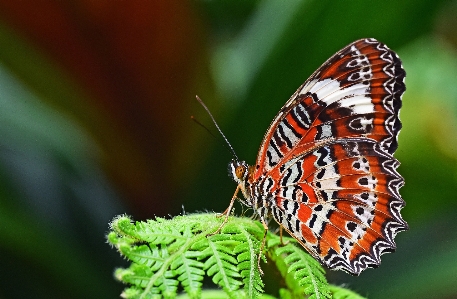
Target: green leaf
247, 256
166, 254
342, 293
222, 266
307, 272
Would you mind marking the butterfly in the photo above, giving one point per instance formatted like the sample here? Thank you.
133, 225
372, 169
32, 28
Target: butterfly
325, 170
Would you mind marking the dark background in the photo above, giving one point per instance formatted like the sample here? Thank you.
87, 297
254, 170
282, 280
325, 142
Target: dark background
95, 105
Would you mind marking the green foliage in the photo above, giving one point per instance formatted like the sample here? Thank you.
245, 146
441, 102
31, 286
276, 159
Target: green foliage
342, 293
168, 255
303, 273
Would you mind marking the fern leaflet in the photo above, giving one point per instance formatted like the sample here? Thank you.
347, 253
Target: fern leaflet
343, 293
307, 272
171, 254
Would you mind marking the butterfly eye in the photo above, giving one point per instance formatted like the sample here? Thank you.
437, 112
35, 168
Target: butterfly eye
239, 171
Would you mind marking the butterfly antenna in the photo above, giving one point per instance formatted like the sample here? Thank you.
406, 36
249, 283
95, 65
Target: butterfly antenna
211, 133
203, 126
219, 129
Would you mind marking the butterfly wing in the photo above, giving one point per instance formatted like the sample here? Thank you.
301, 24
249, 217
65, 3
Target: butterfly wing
326, 161
341, 202
357, 92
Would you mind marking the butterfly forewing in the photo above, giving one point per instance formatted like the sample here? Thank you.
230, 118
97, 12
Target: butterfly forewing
326, 160
359, 87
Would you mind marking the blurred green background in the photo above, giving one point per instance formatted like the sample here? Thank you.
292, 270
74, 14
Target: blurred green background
95, 100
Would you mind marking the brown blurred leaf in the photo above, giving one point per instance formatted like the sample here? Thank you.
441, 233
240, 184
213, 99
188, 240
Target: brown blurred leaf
135, 61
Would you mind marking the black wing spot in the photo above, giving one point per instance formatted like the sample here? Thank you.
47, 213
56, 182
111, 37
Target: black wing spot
269, 184
296, 206
305, 197
320, 174
312, 221
351, 226
285, 180
297, 225
324, 224
283, 136
331, 253
299, 172
294, 192
300, 116
292, 129
324, 153
363, 181
317, 100
329, 213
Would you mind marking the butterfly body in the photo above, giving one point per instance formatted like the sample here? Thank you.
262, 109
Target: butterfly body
325, 171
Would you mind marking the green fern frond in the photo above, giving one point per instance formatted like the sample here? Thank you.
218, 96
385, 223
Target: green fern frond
167, 254
190, 273
137, 275
221, 265
343, 293
247, 252
247, 256
307, 272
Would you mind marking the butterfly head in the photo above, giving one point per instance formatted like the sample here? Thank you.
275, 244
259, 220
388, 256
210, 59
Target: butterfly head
240, 171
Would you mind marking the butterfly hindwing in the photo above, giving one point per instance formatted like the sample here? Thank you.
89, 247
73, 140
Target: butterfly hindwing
341, 202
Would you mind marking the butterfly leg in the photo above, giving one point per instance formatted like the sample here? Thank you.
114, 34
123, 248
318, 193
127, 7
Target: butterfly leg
280, 236
226, 213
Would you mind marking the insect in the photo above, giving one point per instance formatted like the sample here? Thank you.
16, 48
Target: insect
325, 170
